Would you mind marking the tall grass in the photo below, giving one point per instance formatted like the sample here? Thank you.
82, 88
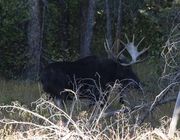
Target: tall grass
13, 90
46, 121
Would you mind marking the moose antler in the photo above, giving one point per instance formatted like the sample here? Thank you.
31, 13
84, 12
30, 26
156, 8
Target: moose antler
131, 48
110, 51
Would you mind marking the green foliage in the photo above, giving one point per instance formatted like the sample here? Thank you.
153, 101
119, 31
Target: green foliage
13, 18
54, 48
149, 19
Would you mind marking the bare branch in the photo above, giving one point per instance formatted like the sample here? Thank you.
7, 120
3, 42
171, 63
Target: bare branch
161, 95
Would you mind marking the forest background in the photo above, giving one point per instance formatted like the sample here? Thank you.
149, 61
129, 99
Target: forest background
34, 33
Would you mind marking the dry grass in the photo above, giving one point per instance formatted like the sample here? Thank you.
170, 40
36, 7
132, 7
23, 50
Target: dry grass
46, 121
13, 90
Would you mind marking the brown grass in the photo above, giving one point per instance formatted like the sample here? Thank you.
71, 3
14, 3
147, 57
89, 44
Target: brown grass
13, 90
46, 121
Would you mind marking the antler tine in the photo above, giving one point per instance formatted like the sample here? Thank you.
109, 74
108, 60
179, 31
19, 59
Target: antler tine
108, 49
127, 38
144, 50
123, 43
106, 46
132, 62
121, 53
128, 64
140, 42
133, 38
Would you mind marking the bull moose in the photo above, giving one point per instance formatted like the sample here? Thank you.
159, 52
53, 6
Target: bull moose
58, 76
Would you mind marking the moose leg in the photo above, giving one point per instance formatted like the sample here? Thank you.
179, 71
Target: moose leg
60, 99
58, 102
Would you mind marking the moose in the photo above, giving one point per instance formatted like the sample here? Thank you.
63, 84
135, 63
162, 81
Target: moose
58, 76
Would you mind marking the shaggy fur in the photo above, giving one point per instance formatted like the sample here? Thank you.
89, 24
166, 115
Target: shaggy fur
57, 77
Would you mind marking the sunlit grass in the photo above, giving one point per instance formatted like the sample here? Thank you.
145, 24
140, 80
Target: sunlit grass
46, 121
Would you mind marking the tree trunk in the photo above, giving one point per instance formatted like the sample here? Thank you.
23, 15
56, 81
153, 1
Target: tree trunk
64, 24
83, 6
108, 24
119, 27
88, 33
35, 37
